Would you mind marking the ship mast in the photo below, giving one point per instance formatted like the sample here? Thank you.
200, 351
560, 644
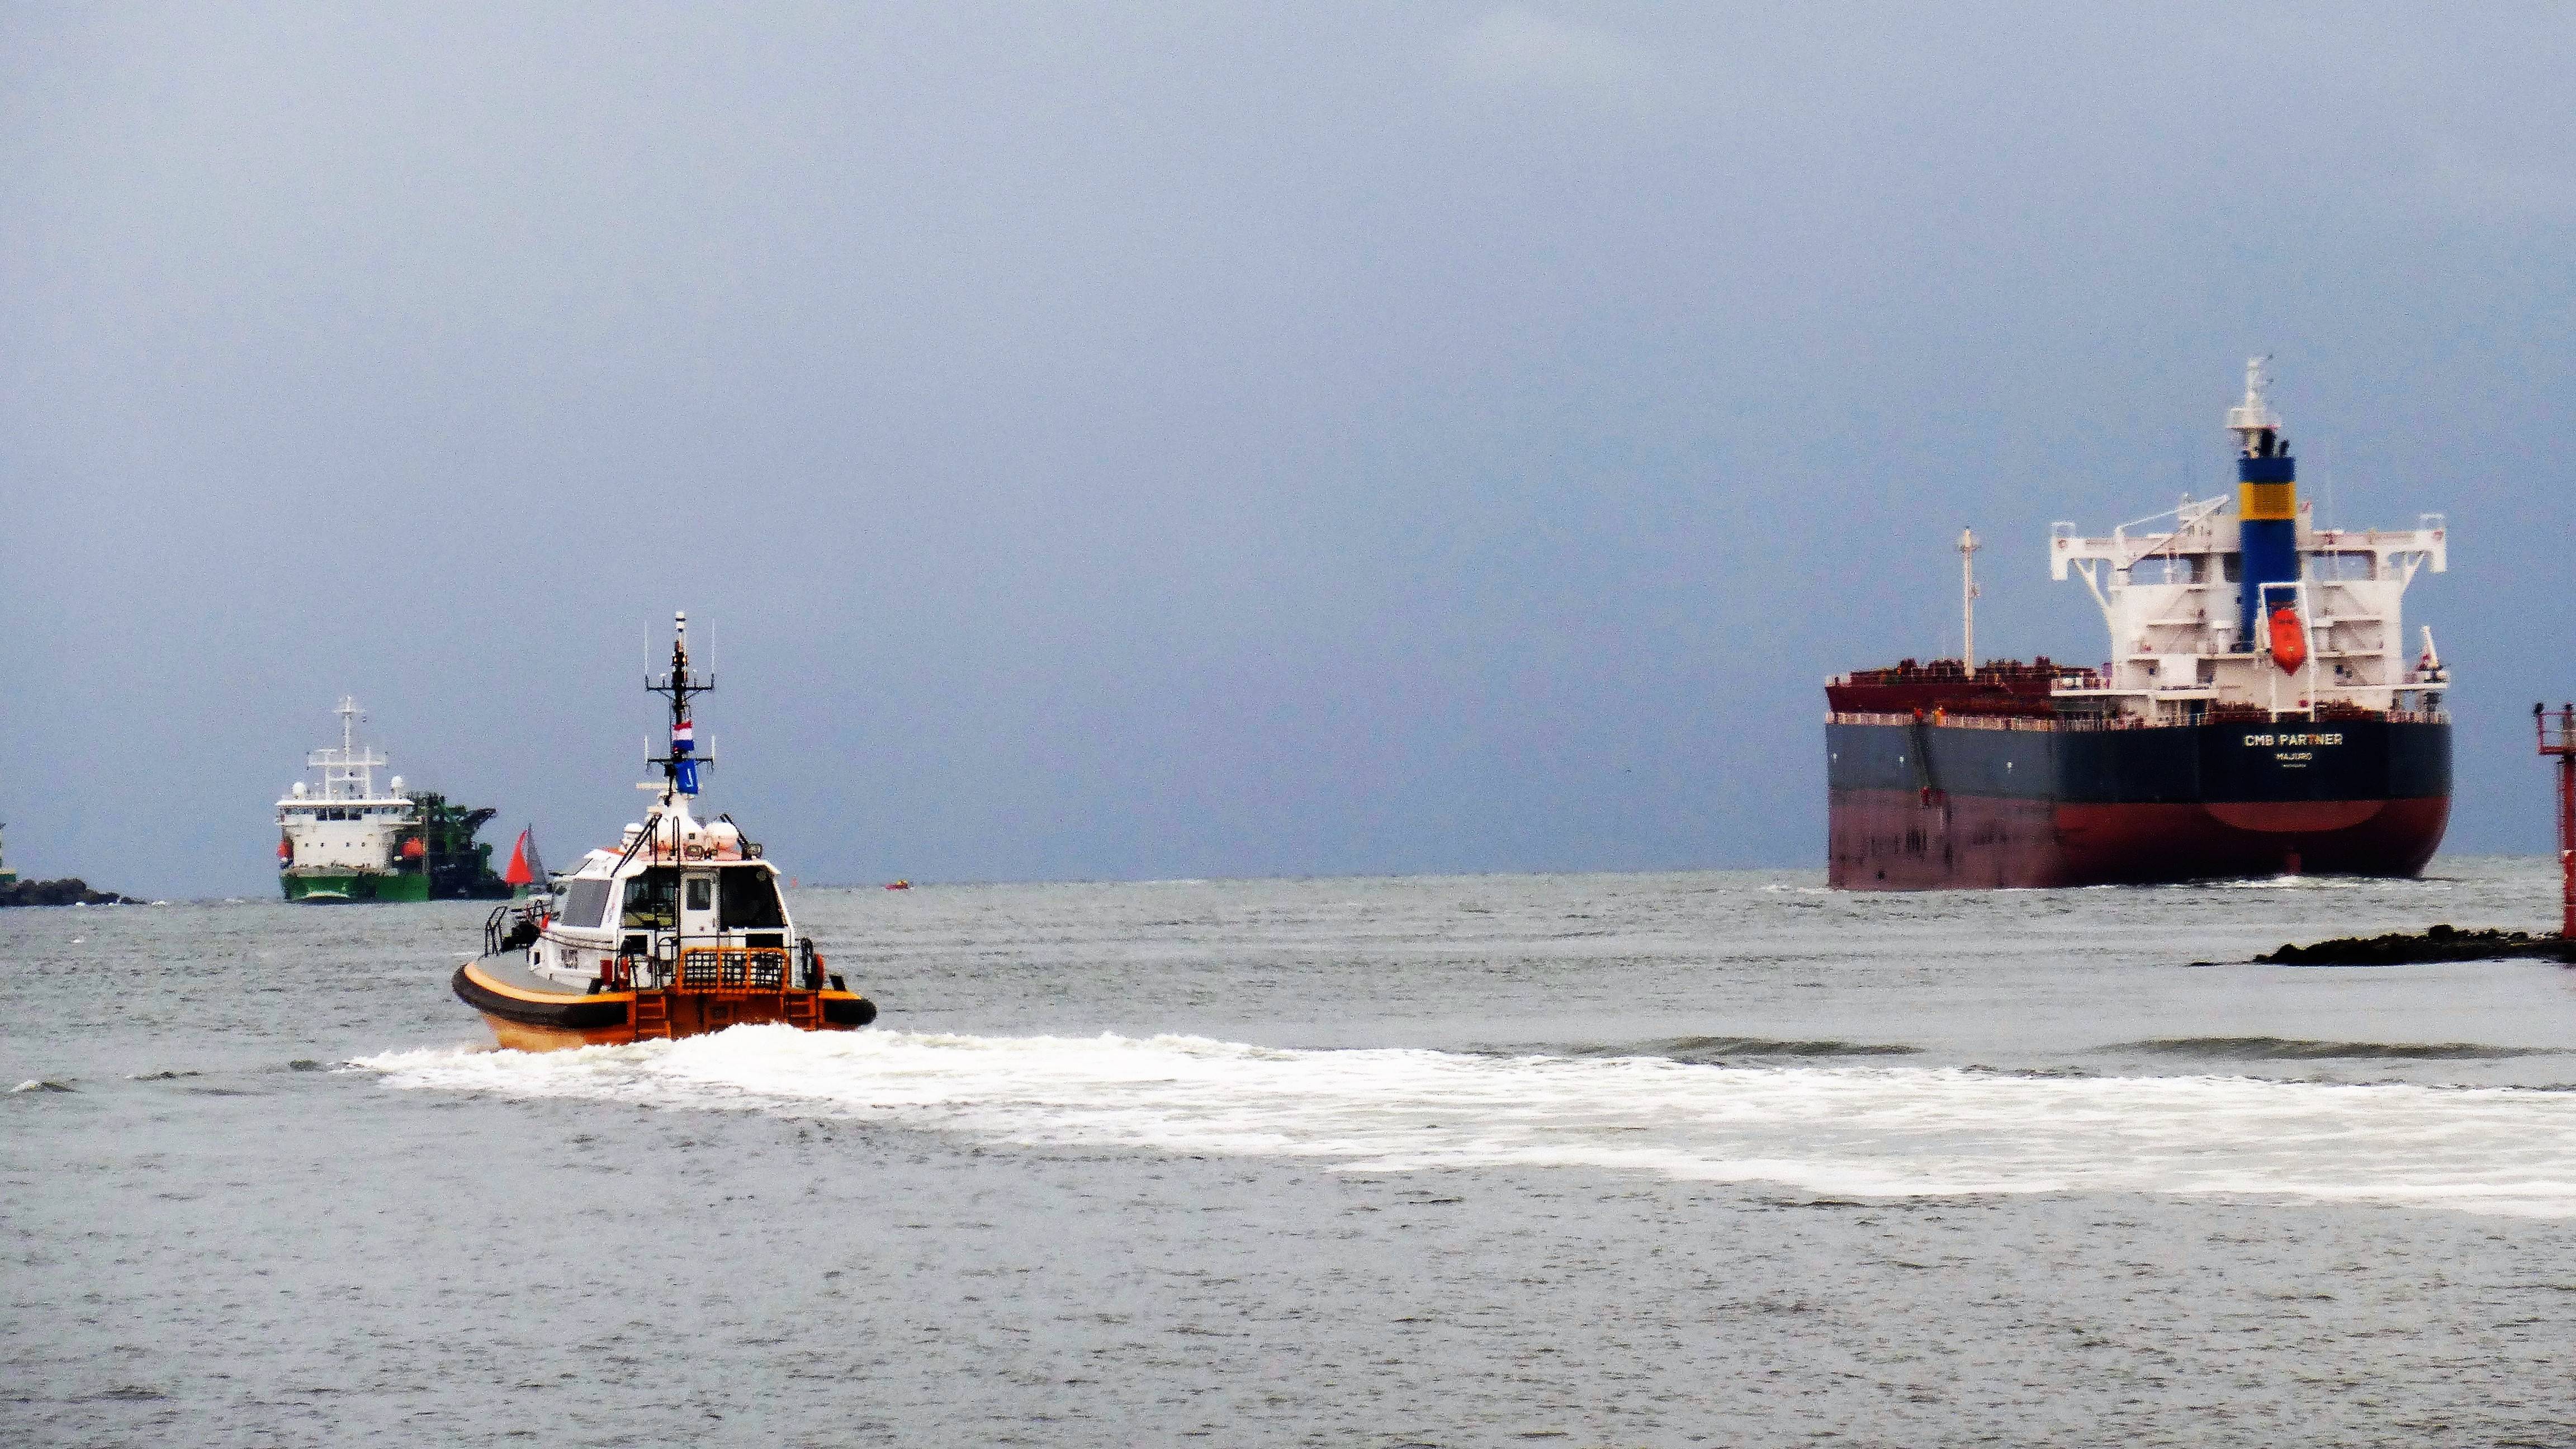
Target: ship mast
680, 765
1968, 547
348, 773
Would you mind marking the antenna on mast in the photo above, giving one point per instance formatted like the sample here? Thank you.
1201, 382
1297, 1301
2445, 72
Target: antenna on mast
680, 766
1968, 547
2256, 426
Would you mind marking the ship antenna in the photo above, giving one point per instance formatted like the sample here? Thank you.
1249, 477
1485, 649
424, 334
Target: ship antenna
1968, 547
2256, 426
680, 765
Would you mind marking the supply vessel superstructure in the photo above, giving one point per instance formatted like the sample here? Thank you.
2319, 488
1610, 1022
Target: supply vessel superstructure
344, 840
2259, 713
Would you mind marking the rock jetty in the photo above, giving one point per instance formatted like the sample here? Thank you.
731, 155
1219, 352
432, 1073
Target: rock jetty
2438, 943
69, 891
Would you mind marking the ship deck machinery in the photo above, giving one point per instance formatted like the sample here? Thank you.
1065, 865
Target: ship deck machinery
2259, 713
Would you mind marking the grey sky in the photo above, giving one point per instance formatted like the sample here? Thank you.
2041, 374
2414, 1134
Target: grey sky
1224, 440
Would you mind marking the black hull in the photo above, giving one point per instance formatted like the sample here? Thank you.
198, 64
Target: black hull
1921, 805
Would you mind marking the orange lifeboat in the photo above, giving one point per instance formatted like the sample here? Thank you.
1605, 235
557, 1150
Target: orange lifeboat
2289, 641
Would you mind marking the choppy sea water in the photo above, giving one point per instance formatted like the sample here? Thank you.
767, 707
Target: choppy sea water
1703, 1158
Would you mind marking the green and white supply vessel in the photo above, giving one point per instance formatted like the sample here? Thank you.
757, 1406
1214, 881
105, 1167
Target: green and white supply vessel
346, 842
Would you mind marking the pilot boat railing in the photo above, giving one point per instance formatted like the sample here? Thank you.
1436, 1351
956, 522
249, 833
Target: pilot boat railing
733, 970
512, 926
721, 970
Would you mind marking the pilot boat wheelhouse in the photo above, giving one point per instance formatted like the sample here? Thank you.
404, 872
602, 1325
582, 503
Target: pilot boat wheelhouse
679, 930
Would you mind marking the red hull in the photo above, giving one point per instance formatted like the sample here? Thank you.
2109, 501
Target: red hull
1897, 840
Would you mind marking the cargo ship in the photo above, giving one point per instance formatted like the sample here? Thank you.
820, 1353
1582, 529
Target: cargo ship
345, 841
2259, 714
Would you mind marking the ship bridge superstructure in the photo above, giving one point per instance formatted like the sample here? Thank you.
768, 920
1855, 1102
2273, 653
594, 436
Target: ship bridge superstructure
330, 837
2208, 619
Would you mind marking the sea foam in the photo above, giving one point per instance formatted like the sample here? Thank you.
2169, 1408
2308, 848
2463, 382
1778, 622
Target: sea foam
1844, 1130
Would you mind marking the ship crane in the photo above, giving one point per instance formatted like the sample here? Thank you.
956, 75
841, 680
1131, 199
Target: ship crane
1968, 546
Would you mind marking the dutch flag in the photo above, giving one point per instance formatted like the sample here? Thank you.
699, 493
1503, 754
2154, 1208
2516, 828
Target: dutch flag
684, 746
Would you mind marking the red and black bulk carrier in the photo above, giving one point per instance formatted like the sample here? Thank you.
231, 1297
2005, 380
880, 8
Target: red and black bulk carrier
2259, 715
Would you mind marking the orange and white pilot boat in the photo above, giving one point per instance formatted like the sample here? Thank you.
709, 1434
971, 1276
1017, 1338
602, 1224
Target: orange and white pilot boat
679, 931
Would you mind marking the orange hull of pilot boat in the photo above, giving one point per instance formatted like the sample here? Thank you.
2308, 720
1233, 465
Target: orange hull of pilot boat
680, 931
530, 1015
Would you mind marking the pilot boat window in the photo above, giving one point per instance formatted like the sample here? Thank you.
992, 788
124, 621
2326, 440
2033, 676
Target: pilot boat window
751, 899
585, 901
702, 893
652, 900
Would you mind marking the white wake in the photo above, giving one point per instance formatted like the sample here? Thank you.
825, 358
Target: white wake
1842, 1131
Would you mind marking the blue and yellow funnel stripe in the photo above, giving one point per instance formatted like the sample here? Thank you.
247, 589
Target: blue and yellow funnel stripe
2267, 509
2267, 489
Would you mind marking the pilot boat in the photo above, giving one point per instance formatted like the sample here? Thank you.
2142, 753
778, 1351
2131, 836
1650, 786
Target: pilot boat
679, 931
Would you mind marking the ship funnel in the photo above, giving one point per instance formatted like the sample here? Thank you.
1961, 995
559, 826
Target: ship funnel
2267, 510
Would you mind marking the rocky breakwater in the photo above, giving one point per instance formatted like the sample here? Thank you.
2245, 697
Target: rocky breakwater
2437, 943
69, 891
